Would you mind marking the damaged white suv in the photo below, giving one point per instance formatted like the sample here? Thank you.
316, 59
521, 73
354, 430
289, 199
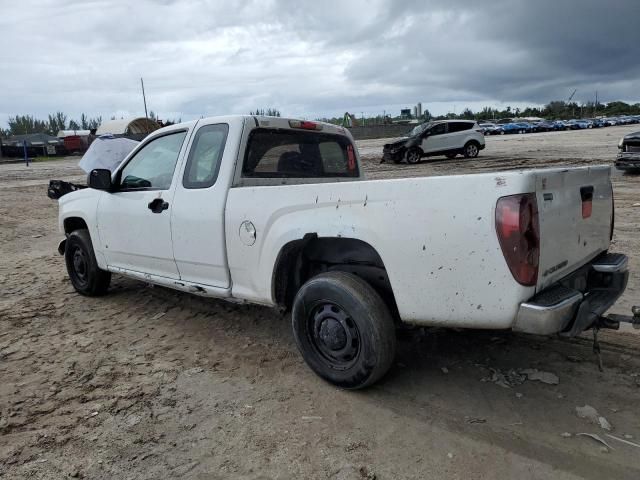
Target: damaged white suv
445, 137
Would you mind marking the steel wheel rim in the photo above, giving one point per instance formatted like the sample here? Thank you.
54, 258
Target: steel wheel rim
80, 265
334, 335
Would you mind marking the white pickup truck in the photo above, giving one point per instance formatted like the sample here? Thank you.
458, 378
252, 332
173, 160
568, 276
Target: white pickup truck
277, 212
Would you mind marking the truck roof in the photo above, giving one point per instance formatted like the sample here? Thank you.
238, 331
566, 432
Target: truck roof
264, 121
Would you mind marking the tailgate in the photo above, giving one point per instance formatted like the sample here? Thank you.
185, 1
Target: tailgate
575, 208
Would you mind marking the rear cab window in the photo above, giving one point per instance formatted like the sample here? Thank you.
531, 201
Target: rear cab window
283, 153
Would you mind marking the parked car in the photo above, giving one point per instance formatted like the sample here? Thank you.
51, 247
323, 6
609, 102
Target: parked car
546, 126
277, 212
628, 119
629, 153
491, 129
578, 124
444, 137
516, 127
611, 121
596, 122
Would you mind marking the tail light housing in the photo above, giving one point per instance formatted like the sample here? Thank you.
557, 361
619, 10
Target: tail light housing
518, 229
613, 214
305, 125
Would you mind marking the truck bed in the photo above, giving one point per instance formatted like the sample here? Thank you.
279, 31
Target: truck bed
436, 236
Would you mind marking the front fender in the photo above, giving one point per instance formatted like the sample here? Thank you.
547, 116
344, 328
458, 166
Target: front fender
83, 205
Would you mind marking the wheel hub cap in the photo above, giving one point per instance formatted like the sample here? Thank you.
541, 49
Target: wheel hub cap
80, 263
332, 334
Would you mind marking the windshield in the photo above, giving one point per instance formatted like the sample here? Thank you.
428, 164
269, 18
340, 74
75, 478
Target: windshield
419, 129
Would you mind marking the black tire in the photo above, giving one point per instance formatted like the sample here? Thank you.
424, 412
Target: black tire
413, 155
451, 155
343, 330
471, 150
82, 266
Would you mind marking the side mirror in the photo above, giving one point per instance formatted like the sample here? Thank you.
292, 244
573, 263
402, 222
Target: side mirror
100, 179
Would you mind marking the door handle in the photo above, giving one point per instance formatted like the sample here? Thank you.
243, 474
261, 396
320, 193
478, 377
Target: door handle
158, 205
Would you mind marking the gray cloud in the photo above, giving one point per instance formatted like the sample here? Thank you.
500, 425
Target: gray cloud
312, 58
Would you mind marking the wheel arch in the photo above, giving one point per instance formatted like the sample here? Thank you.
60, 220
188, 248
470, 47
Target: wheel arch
304, 258
71, 224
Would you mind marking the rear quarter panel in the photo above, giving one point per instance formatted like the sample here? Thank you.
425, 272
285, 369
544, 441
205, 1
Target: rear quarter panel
436, 237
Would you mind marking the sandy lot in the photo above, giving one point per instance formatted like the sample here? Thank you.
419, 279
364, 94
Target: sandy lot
151, 383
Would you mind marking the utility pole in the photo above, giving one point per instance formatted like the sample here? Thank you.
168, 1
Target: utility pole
595, 106
144, 99
573, 110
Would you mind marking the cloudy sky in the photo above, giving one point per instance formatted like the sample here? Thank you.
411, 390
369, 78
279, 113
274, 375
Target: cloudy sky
312, 58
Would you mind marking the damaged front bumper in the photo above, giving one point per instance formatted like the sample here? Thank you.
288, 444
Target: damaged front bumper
577, 302
395, 155
628, 161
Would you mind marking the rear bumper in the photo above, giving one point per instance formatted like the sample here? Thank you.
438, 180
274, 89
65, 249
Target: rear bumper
575, 303
628, 161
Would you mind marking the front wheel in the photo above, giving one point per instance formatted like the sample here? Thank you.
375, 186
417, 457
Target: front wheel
82, 266
471, 150
343, 330
413, 155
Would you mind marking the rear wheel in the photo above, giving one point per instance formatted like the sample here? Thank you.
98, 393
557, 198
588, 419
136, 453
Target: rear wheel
471, 150
414, 155
343, 330
82, 266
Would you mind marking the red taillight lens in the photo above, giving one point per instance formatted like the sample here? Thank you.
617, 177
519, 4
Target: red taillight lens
305, 125
613, 214
518, 231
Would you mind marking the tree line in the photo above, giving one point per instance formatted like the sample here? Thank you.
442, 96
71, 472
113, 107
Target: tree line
24, 124
554, 110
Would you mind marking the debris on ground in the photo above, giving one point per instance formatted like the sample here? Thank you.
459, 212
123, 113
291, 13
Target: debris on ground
591, 414
633, 444
507, 379
566, 435
513, 377
444, 370
596, 437
473, 420
534, 374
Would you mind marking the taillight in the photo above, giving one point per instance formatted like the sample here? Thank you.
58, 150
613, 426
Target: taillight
518, 231
305, 125
613, 214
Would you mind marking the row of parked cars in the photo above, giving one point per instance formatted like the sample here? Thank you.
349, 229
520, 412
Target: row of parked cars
505, 126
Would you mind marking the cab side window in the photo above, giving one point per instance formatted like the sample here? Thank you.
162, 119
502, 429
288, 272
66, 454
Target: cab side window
204, 159
459, 126
438, 129
153, 165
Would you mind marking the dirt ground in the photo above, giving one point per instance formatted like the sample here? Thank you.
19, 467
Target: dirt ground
150, 383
